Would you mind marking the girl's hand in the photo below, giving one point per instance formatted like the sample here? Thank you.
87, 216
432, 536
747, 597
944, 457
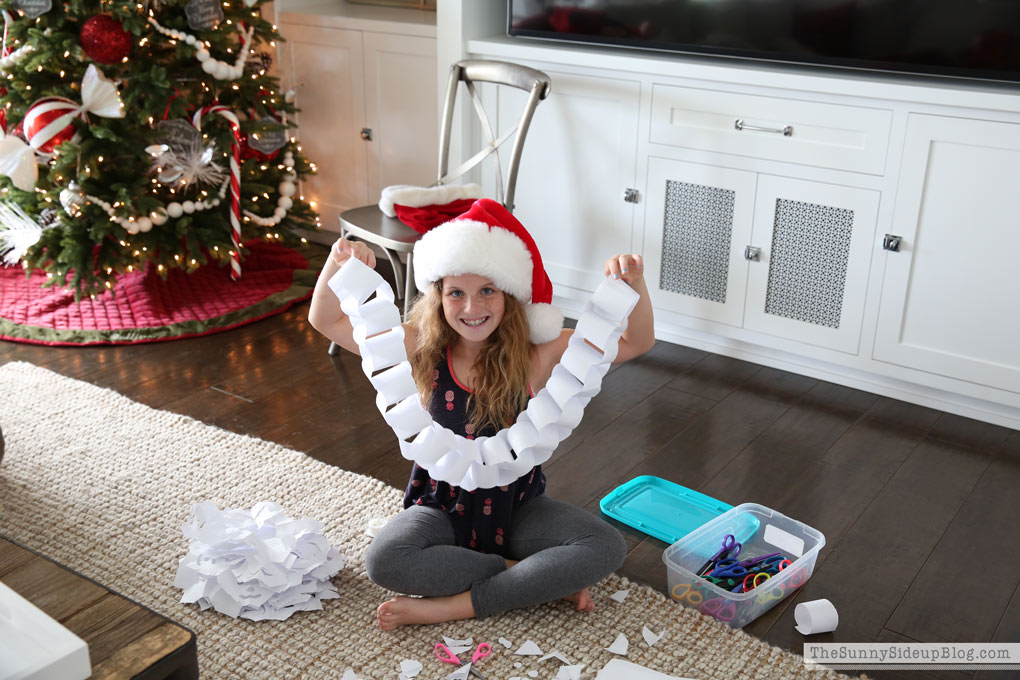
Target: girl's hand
629, 267
344, 250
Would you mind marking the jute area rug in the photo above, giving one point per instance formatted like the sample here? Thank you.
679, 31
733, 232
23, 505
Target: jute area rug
103, 484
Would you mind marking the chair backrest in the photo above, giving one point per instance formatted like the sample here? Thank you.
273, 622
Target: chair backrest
470, 71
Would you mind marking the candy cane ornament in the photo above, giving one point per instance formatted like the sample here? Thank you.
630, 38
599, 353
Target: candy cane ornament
235, 181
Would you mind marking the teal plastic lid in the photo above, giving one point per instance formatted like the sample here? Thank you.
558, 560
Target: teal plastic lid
661, 508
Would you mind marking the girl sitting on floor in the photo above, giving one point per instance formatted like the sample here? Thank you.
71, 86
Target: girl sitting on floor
482, 339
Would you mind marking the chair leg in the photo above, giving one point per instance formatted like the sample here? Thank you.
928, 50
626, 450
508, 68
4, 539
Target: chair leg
333, 350
409, 287
398, 271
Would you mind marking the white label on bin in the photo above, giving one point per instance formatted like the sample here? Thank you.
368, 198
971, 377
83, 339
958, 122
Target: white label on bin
784, 540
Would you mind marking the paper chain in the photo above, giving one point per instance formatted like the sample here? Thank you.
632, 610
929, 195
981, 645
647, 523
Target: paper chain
550, 417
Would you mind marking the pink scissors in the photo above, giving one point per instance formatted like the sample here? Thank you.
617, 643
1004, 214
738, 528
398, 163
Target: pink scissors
444, 654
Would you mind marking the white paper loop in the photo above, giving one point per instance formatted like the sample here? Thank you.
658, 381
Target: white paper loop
817, 616
488, 461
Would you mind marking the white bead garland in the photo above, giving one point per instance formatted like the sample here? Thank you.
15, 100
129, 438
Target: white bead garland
14, 57
157, 217
220, 70
286, 189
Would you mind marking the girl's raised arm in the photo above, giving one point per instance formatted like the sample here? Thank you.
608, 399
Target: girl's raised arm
325, 314
640, 334
635, 341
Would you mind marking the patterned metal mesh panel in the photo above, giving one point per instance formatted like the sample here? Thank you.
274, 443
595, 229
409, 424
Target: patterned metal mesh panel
807, 267
696, 240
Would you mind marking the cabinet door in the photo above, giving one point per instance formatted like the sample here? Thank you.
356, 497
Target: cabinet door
400, 108
579, 157
697, 220
950, 295
325, 68
810, 279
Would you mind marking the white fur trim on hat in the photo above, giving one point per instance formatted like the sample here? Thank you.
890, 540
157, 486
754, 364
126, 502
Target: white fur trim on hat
417, 197
469, 247
545, 322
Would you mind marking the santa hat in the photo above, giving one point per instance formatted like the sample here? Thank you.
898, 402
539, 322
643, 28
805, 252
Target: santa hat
487, 240
423, 208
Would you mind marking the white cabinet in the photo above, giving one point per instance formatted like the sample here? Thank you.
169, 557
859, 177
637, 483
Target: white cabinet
951, 294
586, 129
774, 255
813, 167
329, 118
366, 90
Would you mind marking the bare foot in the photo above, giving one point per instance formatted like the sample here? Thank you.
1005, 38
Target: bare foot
403, 611
582, 601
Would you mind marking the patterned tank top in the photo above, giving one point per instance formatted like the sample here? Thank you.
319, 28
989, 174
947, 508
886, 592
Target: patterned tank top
480, 518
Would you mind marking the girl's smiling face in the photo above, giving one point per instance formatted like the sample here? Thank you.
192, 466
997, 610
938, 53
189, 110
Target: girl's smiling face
472, 305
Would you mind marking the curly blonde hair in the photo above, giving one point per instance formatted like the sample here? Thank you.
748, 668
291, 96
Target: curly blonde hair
501, 369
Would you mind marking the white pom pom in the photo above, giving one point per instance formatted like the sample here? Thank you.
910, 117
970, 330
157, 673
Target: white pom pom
290, 177
158, 217
144, 224
188, 207
175, 210
199, 205
545, 322
287, 189
209, 66
285, 202
203, 56
131, 227
279, 213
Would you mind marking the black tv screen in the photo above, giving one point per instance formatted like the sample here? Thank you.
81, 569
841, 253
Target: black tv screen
960, 38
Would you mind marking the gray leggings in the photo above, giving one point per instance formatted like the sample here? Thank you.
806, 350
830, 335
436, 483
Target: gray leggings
562, 549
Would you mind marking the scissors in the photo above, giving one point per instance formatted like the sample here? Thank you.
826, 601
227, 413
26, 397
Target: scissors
776, 593
729, 568
720, 609
444, 654
754, 581
729, 544
798, 578
685, 592
725, 583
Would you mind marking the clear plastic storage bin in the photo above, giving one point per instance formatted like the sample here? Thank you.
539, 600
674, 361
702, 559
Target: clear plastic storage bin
760, 531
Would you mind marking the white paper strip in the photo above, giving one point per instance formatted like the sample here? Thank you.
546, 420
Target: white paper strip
549, 418
817, 616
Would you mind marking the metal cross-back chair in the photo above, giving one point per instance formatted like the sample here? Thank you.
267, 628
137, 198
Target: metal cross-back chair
369, 224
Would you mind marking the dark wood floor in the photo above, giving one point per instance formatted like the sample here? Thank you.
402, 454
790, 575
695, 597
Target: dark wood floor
915, 504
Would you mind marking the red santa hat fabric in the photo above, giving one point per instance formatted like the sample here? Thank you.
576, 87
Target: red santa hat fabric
489, 241
423, 208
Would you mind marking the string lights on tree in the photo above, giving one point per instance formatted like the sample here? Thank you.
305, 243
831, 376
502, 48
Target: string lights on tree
101, 118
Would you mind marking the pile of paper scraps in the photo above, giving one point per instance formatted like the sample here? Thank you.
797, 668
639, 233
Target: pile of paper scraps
257, 564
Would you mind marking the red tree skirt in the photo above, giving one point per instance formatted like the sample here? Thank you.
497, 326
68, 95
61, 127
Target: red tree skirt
145, 308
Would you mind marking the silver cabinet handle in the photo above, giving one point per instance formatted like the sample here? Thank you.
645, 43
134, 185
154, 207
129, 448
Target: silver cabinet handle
786, 130
366, 134
892, 242
752, 253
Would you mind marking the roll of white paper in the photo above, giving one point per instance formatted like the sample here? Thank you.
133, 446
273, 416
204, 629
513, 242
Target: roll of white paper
549, 418
817, 616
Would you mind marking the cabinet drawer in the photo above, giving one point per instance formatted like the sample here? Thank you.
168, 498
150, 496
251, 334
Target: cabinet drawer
848, 138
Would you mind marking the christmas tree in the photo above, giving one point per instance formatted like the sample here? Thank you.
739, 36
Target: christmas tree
142, 134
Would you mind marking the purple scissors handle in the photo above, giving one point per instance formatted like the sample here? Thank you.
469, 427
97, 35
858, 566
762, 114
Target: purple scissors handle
719, 609
729, 544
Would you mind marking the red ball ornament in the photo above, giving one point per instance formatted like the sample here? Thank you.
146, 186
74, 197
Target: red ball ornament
40, 131
104, 39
